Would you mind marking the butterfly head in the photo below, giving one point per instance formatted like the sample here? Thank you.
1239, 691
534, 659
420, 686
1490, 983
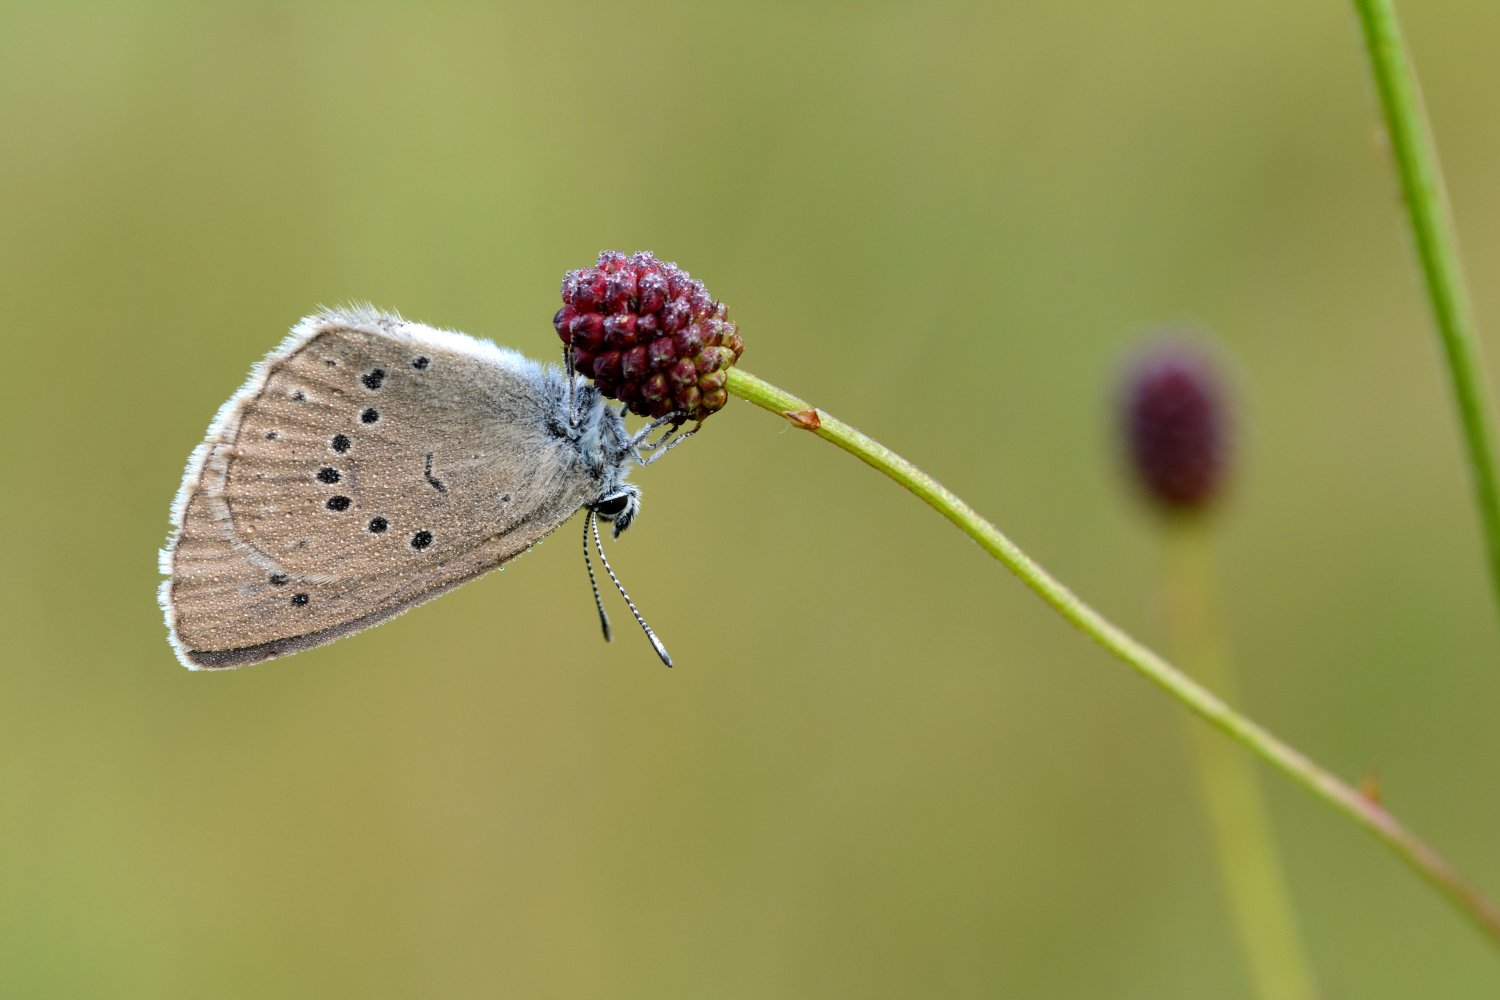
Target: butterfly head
620, 507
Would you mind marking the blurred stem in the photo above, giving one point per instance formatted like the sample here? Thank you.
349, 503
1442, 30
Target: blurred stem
1263, 913
1366, 813
1437, 249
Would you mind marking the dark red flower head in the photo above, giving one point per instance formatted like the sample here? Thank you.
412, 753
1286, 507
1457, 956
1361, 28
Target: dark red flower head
648, 335
1175, 424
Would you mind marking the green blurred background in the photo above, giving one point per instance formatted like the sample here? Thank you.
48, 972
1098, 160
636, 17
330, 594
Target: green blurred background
882, 767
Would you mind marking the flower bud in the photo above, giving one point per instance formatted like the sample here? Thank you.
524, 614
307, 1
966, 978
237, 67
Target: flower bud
649, 335
1175, 424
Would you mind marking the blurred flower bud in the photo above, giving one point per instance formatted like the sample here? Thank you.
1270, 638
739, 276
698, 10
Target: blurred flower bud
1174, 421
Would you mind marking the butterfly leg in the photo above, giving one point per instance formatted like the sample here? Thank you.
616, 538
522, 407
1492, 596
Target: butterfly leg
572, 377
661, 447
636, 440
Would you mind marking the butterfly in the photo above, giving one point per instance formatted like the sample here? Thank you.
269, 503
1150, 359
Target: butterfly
370, 464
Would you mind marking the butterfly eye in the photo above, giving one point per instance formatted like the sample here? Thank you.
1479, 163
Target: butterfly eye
611, 507
619, 508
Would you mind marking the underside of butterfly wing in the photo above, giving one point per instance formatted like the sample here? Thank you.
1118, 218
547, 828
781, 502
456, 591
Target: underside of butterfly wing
368, 465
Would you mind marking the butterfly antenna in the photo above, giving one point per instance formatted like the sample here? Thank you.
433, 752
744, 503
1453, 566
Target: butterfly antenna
660, 649
589, 565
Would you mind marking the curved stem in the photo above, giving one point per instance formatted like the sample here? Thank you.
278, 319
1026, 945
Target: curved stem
1363, 809
1437, 249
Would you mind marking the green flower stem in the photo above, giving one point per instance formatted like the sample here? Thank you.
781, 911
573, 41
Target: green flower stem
1326, 786
1251, 868
1437, 249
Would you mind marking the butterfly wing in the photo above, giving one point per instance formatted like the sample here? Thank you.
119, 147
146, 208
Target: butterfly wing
369, 464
